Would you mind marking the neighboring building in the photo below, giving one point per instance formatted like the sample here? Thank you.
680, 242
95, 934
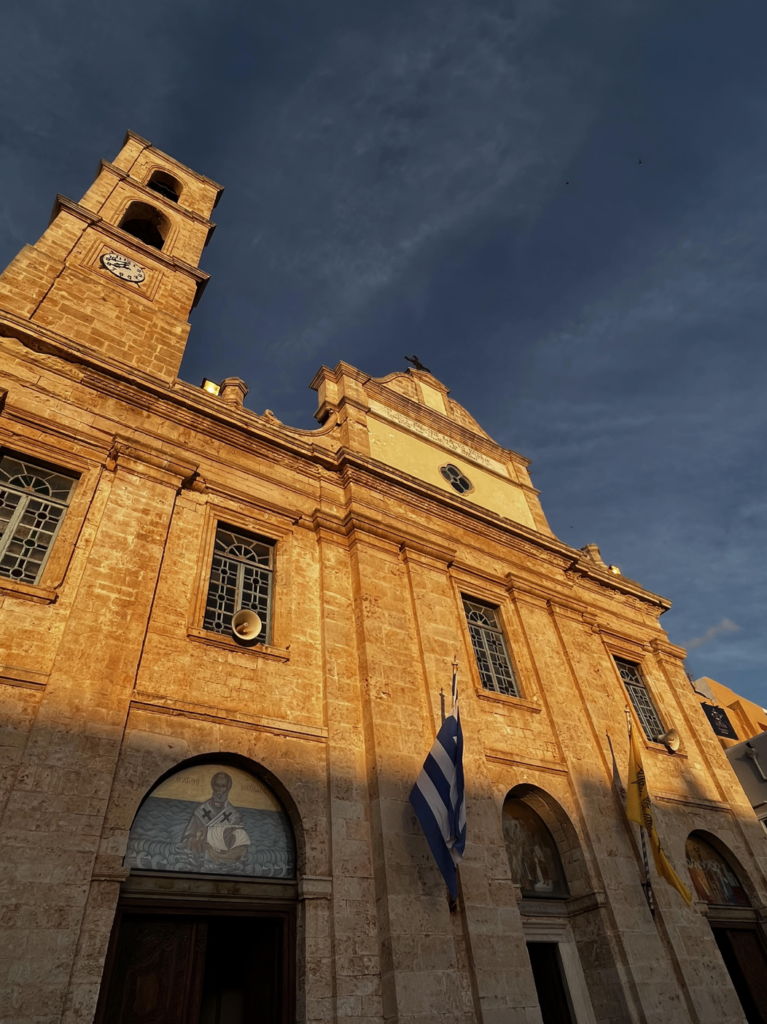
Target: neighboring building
741, 718
741, 727
196, 830
749, 762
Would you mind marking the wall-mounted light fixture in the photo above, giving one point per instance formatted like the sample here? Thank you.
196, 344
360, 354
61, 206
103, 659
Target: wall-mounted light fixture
210, 386
614, 570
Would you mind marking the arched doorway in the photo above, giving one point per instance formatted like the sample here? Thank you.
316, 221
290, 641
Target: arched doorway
205, 926
529, 816
733, 921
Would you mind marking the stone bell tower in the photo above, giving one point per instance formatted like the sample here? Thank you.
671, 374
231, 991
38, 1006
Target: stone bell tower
117, 273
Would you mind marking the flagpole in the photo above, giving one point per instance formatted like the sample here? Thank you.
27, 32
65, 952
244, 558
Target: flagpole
452, 904
647, 882
438, 796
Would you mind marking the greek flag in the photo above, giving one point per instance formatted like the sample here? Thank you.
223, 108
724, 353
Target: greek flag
438, 796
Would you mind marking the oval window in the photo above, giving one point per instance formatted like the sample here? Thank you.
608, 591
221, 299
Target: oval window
215, 819
455, 478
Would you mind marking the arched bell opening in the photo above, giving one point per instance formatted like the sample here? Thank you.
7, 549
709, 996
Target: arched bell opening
205, 928
165, 185
562, 916
146, 223
721, 882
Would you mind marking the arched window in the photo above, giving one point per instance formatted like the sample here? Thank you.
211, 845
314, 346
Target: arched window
712, 877
146, 223
535, 863
165, 185
215, 819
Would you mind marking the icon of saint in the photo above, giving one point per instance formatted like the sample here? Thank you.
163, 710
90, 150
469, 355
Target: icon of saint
216, 827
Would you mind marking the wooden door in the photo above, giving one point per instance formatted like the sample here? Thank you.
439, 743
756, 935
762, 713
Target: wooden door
744, 956
155, 970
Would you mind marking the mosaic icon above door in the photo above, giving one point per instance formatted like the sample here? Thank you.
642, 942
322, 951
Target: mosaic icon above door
212, 819
714, 880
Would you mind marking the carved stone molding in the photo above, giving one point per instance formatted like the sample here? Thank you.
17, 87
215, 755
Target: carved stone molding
152, 464
585, 904
315, 887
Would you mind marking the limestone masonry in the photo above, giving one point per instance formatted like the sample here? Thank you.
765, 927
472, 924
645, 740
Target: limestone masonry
140, 511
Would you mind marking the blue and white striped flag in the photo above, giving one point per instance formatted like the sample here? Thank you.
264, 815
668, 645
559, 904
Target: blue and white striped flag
438, 796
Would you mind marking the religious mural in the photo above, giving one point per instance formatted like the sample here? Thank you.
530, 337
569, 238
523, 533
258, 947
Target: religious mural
535, 863
713, 878
213, 819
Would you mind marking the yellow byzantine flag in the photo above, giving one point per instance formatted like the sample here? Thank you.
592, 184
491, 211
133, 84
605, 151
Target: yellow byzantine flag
639, 809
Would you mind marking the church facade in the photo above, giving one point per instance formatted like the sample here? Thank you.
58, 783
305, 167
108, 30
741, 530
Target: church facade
204, 828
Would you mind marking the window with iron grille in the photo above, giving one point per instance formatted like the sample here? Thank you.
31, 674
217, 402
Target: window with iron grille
33, 501
240, 577
490, 650
640, 698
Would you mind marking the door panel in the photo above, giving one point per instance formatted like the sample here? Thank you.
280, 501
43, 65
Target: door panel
180, 965
156, 974
745, 959
243, 972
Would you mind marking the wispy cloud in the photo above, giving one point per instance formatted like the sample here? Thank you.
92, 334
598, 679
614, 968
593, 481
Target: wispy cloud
725, 626
397, 138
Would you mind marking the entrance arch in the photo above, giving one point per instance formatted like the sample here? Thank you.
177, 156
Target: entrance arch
547, 864
722, 885
205, 929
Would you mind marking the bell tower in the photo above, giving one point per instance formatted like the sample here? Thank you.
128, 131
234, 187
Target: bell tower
117, 273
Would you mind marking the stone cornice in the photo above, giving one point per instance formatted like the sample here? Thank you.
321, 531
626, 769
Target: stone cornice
407, 543
270, 508
588, 569
518, 761
417, 551
157, 704
172, 263
151, 463
195, 409
585, 904
176, 163
178, 402
27, 591
541, 591
361, 469
663, 646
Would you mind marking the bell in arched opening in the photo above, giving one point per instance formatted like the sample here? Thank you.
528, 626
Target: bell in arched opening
213, 819
535, 863
165, 185
146, 223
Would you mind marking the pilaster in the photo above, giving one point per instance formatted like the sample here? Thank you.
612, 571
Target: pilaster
420, 977
53, 819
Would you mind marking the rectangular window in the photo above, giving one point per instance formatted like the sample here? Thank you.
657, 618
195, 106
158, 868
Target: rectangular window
493, 661
240, 577
33, 501
640, 698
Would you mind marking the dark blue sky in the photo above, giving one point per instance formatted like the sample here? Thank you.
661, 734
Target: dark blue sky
396, 182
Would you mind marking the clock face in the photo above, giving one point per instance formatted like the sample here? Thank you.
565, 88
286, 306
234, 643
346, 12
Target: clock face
122, 267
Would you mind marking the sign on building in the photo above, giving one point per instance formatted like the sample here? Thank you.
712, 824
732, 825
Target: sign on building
720, 723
